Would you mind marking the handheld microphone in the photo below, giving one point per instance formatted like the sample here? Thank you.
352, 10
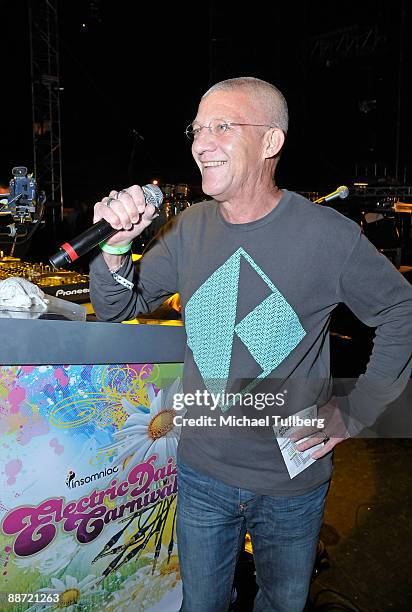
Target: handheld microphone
100, 231
341, 192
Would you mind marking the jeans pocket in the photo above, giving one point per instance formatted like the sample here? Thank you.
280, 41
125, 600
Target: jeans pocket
192, 485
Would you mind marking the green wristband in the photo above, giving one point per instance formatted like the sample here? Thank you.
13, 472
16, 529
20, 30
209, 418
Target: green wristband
115, 250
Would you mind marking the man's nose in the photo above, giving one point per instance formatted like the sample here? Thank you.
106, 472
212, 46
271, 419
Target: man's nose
204, 141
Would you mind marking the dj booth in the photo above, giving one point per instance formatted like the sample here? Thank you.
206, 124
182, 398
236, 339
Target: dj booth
88, 479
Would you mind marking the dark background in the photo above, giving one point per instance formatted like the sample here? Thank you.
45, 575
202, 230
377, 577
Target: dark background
133, 72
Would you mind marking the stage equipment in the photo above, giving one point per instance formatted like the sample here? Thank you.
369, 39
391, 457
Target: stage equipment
21, 210
387, 224
181, 197
341, 192
63, 284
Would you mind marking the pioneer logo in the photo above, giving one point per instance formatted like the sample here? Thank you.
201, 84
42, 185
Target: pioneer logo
72, 291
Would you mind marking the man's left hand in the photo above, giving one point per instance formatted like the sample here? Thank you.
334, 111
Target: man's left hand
333, 432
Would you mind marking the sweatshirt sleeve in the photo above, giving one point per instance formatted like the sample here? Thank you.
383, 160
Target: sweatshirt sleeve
154, 279
380, 297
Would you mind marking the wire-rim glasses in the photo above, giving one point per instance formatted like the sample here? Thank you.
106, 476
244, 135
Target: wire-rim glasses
217, 127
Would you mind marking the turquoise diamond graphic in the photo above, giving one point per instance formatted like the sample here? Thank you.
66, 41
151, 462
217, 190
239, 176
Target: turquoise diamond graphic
270, 332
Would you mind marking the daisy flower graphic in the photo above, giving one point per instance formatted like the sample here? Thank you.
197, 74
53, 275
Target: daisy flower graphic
143, 590
144, 434
70, 591
52, 559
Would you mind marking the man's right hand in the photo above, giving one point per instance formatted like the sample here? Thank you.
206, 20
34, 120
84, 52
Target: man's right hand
128, 213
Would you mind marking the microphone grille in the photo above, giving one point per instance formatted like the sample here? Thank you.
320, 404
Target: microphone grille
343, 191
153, 195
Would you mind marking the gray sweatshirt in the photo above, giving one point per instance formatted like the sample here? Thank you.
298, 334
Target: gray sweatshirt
256, 302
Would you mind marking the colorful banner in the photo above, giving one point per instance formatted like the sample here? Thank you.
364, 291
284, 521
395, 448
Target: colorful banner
88, 488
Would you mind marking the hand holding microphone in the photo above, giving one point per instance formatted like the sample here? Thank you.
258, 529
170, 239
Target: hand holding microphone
118, 219
128, 212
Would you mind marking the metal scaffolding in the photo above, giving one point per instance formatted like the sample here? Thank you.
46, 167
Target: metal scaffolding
45, 80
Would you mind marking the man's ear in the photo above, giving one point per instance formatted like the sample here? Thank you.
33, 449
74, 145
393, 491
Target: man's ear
274, 139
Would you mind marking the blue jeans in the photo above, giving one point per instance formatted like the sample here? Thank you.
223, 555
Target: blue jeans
212, 520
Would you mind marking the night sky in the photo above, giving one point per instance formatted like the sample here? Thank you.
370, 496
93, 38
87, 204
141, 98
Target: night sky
133, 72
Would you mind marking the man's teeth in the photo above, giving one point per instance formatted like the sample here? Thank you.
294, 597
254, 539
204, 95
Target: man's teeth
213, 163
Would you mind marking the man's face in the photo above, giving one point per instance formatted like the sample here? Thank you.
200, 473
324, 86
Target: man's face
231, 163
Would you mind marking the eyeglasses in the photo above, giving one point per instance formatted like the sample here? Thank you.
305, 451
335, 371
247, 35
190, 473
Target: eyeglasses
217, 127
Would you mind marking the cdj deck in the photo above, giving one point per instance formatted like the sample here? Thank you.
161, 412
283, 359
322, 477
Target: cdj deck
67, 285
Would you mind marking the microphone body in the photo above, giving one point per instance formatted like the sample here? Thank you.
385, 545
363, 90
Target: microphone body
100, 231
341, 192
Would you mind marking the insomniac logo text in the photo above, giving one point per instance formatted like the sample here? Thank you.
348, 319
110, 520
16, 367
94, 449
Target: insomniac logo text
72, 482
